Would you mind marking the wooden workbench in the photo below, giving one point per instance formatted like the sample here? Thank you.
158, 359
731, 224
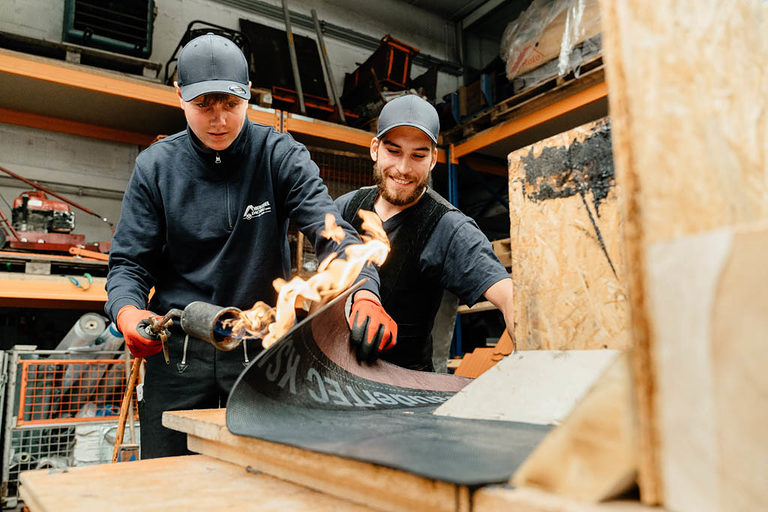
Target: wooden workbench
241, 473
195, 482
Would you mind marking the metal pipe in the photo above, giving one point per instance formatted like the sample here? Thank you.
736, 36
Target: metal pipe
327, 66
54, 194
200, 320
340, 33
294, 60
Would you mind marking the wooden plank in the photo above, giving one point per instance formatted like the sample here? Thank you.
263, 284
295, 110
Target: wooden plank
592, 456
690, 154
375, 486
500, 499
191, 483
711, 290
567, 263
485, 305
33, 290
539, 386
57, 124
73, 75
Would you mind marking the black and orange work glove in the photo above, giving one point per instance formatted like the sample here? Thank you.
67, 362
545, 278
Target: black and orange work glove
373, 330
129, 319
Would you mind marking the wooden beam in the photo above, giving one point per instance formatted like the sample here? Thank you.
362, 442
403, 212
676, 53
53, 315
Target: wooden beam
56, 124
44, 69
501, 499
592, 455
28, 290
325, 130
707, 296
485, 305
514, 126
360, 482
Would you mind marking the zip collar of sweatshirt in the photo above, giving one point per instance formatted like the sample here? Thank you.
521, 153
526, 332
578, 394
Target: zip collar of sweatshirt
220, 164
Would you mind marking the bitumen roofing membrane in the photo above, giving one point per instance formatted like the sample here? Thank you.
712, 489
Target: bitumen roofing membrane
308, 391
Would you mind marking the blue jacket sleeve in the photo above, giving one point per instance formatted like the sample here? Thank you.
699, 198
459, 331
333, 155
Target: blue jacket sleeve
136, 246
307, 200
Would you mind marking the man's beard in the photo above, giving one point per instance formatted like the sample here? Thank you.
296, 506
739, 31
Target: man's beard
402, 199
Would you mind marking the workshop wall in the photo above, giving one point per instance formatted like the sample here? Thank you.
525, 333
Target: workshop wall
91, 172
417, 27
81, 165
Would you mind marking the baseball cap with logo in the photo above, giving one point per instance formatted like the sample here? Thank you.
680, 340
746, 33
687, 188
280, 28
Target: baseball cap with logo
212, 64
409, 110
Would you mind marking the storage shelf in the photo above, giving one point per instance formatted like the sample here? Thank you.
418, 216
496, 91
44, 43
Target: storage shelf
50, 291
50, 94
583, 102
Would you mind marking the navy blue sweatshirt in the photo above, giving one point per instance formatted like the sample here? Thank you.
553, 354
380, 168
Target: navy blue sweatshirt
203, 225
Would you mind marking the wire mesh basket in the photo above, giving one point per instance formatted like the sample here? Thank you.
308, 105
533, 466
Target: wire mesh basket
60, 412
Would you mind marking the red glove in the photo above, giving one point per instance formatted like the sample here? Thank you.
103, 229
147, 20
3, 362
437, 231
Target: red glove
373, 330
129, 318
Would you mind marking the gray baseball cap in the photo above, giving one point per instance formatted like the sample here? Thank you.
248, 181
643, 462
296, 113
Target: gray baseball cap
212, 64
409, 110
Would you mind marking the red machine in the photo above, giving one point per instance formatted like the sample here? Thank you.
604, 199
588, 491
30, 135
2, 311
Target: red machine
41, 223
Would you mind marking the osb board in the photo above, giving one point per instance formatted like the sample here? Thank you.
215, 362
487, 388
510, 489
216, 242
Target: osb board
712, 291
688, 92
696, 90
565, 227
190, 483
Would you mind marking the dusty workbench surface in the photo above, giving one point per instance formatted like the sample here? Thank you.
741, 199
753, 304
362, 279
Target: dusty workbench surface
190, 483
362, 482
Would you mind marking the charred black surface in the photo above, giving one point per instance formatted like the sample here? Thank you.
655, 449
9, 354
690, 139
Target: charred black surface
583, 167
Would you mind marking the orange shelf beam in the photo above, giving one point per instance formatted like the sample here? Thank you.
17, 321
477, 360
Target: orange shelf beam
74, 128
266, 117
84, 80
515, 126
326, 130
51, 292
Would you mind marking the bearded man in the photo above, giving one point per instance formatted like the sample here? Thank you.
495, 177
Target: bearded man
434, 245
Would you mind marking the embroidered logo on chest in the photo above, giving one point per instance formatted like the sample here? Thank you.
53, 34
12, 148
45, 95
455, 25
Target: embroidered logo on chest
252, 211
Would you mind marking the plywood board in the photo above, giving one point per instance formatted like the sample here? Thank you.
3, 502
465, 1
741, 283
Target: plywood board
688, 92
191, 483
712, 290
567, 260
375, 486
499, 499
530, 386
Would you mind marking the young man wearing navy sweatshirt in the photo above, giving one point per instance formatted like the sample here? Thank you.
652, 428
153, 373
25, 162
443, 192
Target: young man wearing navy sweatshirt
205, 217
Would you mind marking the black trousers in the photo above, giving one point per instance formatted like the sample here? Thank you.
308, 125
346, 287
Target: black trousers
203, 381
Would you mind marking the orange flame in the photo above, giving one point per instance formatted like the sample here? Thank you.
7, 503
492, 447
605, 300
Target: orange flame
334, 275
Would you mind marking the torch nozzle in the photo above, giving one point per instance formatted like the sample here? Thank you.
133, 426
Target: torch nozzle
207, 322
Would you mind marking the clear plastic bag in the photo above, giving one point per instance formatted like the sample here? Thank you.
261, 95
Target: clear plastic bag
547, 30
